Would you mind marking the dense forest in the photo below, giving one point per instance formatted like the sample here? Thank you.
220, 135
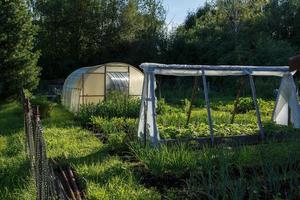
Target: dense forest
48, 39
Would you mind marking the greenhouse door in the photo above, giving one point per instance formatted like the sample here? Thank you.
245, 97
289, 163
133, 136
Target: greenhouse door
93, 87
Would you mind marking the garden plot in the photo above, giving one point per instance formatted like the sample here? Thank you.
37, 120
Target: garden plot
121, 168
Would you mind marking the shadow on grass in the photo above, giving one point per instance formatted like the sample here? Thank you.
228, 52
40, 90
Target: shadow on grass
11, 118
93, 158
15, 176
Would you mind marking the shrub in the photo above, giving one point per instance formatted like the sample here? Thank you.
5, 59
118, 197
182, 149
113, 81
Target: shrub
162, 106
45, 107
116, 105
114, 125
245, 104
117, 142
85, 113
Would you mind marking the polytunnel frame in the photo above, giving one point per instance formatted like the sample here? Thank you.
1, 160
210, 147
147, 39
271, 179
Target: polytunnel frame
148, 102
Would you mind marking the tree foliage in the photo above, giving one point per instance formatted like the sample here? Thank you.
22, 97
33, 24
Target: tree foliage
245, 32
74, 33
18, 61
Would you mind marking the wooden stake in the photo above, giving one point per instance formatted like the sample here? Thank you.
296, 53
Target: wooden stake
73, 183
65, 179
237, 99
192, 100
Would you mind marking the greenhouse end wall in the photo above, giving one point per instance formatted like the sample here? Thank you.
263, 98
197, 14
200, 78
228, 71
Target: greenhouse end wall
91, 84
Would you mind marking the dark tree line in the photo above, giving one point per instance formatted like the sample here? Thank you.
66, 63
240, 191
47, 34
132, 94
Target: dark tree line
75, 33
63, 35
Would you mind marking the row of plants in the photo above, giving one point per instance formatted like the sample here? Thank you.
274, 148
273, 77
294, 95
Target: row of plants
117, 105
172, 120
267, 171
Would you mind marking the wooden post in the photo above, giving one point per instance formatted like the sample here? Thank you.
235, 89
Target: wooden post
237, 99
192, 100
208, 107
262, 135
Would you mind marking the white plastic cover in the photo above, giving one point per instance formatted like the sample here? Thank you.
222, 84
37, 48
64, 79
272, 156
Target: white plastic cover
287, 100
212, 70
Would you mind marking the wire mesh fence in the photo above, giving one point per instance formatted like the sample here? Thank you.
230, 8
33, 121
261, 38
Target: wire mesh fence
47, 186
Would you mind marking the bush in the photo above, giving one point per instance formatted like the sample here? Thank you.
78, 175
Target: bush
45, 107
119, 131
117, 105
245, 104
114, 125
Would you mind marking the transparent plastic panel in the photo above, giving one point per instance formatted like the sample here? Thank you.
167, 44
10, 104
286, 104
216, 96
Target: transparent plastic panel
117, 68
93, 84
136, 82
117, 81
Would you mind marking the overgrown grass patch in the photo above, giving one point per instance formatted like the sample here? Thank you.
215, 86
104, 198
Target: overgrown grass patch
64, 137
175, 160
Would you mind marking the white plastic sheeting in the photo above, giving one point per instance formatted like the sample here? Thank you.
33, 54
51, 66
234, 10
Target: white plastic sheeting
91, 84
287, 108
287, 97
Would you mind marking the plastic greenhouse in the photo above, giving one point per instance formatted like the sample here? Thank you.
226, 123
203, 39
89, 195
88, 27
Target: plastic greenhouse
92, 84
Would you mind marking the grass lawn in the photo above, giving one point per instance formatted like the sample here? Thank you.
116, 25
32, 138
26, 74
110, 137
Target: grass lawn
107, 177
265, 171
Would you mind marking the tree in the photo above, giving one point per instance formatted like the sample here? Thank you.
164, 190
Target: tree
236, 32
18, 61
76, 33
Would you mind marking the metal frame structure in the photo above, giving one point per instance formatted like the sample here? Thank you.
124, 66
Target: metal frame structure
287, 97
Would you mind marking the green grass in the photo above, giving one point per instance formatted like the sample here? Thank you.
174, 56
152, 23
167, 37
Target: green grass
265, 171
15, 179
107, 177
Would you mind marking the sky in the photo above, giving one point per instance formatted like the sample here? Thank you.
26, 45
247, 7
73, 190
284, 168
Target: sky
177, 10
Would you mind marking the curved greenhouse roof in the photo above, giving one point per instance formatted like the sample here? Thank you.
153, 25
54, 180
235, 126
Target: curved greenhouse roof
91, 84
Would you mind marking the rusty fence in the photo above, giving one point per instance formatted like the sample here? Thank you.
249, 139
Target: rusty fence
47, 184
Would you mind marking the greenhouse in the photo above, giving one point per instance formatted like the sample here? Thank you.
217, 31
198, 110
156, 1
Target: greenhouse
92, 84
286, 111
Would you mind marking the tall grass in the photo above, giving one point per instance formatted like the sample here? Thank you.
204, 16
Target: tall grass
265, 171
176, 160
